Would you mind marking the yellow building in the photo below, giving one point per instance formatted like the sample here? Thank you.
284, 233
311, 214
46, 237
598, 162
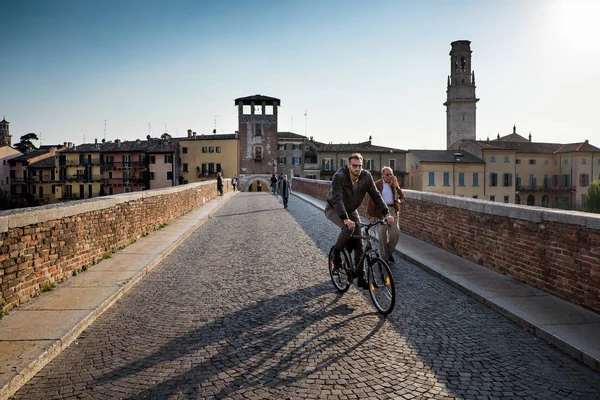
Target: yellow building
79, 172
545, 174
202, 156
446, 172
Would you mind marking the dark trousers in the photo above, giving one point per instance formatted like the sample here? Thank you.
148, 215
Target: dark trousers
285, 201
344, 239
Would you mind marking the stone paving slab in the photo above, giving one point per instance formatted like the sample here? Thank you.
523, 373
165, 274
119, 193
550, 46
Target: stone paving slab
549, 317
32, 335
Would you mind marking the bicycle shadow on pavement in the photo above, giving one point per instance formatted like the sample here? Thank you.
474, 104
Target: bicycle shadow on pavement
267, 346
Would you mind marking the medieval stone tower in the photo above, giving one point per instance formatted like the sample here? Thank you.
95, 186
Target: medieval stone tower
5, 138
257, 121
460, 103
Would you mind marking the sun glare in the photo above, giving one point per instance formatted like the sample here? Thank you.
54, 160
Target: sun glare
574, 23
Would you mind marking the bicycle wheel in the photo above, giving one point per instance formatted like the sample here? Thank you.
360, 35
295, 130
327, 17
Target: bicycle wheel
340, 277
381, 286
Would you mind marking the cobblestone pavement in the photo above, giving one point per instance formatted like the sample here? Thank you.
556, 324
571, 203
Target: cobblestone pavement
244, 309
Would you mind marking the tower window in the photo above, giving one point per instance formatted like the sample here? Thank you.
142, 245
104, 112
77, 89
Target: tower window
463, 64
258, 131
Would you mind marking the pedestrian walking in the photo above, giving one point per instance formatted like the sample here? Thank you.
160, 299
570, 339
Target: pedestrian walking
285, 189
392, 194
220, 183
234, 182
273, 184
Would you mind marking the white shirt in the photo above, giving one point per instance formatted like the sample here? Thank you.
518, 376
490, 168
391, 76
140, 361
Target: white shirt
387, 193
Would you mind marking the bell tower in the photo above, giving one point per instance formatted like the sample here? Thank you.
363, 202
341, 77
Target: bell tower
5, 138
461, 100
257, 129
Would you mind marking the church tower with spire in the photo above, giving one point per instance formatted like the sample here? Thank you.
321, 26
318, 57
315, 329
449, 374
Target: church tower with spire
461, 100
5, 138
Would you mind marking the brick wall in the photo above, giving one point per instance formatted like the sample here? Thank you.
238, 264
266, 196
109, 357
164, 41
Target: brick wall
553, 250
42, 246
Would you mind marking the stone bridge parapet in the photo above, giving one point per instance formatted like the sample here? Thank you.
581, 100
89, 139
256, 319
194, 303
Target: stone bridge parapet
556, 251
42, 246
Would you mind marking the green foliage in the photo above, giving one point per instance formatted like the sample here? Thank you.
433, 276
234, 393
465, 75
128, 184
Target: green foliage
2, 312
26, 144
591, 200
48, 287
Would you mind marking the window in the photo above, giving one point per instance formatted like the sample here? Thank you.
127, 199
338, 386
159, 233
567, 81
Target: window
281, 160
151, 159
258, 129
545, 162
127, 190
492, 198
109, 174
506, 159
566, 161
475, 196
493, 159
532, 181
493, 179
327, 164
393, 164
184, 150
506, 199
554, 180
342, 162
546, 182
185, 167
584, 161
169, 175
258, 153
431, 179
218, 167
508, 180
566, 180
281, 147
369, 164
205, 149
151, 176
168, 158
475, 178
446, 178
296, 160
517, 161
584, 180
218, 149
211, 149
461, 179
532, 161
296, 147
126, 161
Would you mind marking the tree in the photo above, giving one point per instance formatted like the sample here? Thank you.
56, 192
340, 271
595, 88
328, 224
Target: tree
25, 144
591, 200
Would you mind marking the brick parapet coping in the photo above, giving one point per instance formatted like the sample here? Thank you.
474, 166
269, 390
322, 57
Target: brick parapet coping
42, 246
553, 250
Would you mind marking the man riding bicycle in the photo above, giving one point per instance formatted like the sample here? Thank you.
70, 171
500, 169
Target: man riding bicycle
348, 188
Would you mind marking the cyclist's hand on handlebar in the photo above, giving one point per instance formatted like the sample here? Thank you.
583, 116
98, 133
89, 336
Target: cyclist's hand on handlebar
389, 219
349, 223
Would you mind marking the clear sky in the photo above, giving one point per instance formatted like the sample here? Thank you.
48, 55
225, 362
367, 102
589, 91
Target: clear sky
357, 68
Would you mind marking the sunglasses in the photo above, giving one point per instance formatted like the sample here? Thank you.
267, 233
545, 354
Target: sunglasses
356, 165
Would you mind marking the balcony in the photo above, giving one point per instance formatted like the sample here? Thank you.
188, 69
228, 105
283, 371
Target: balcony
93, 161
82, 177
122, 181
37, 179
312, 166
544, 188
111, 166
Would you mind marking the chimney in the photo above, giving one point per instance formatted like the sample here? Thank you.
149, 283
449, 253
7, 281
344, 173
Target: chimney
237, 134
586, 141
69, 145
530, 136
189, 133
138, 141
118, 142
194, 134
96, 143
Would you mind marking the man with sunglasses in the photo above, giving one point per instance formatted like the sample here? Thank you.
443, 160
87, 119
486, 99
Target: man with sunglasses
392, 194
348, 188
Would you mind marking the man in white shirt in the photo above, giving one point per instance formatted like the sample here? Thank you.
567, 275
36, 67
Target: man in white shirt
392, 194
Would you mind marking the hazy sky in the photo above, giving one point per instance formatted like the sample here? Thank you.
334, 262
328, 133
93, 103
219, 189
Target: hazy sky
359, 68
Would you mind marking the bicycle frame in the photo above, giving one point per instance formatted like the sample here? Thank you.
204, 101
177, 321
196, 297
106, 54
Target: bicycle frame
368, 246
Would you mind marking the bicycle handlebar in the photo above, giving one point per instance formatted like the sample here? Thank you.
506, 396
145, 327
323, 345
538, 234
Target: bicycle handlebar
371, 225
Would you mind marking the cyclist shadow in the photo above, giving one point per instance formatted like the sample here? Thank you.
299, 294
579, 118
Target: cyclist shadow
271, 344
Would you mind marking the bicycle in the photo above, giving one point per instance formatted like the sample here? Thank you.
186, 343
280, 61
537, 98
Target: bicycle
378, 273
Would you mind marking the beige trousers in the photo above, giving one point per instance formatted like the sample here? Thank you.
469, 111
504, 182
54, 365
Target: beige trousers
388, 236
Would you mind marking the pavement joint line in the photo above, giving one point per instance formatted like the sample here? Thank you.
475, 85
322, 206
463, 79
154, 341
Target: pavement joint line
61, 344
535, 328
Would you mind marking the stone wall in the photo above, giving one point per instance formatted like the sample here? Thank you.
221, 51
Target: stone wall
42, 246
553, 250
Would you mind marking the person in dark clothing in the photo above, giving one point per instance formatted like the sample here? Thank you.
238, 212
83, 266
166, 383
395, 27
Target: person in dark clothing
220, 183
348, 188
273, 184
284, 190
